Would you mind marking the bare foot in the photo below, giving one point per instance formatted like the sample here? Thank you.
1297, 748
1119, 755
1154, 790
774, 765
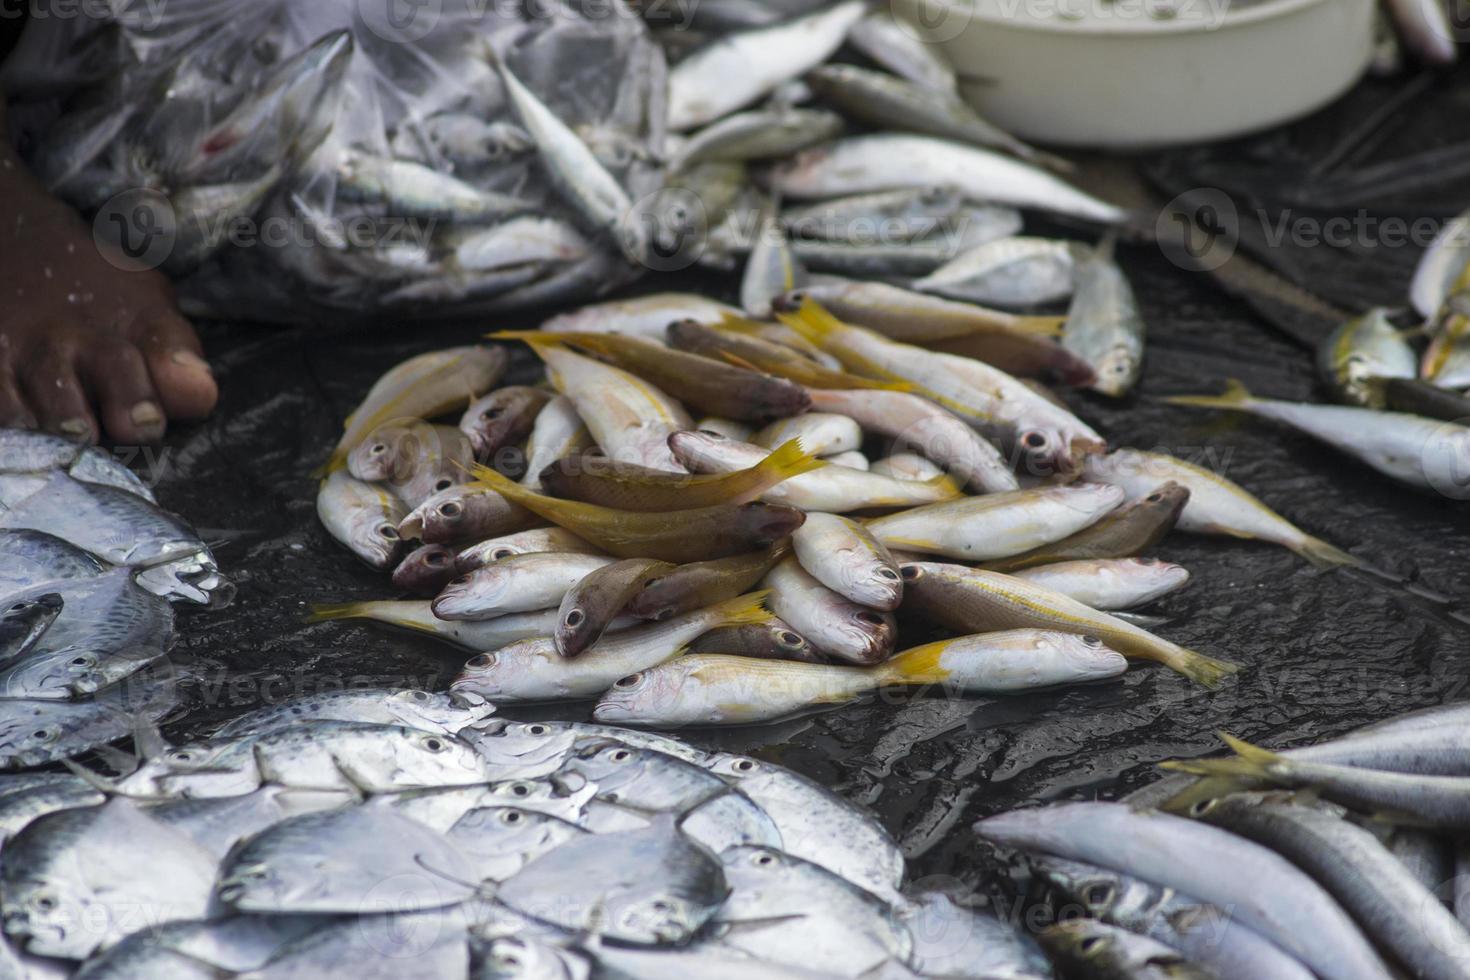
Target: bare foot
86, 346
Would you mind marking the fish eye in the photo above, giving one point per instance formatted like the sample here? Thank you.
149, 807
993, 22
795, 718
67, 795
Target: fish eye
1097, 894
490, 414
1201, 808
181, 756
44, 734
500, 553
909, 572
537, 729
511, 817
520, 789
619, 755
743, 765
1154, 498
712, 435
436, 558
660, 906
443, 485
1034, 440
1092, 641
20, 607
388, 531
451, 509
871, 618
630, 681
575, 618
1090, 943
435, 744
480, 661
460, 580
420, 695
82, 660
888, 573
377, 449
762, 860
790, 639
45, 903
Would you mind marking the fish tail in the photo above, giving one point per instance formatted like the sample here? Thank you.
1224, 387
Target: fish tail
788, 460
946, 485
1235, 396
1203, 791
917, 665
1250, 762
812, 321
1041, 326
742, 610
322, 612
1324, 554
1200, 668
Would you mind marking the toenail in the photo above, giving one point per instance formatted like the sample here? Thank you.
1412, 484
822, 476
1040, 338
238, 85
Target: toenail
146, 414
76, 427
189, 359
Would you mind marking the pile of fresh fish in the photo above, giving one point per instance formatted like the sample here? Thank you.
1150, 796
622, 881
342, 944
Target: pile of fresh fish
700, 518
90, 567
1340, 860
354, 158
397, 834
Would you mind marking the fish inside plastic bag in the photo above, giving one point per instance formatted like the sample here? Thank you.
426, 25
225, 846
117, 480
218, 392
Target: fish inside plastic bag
295, 160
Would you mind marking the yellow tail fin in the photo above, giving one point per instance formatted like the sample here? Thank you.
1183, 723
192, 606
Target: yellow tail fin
742, 610
1202, 669
1235, 396
916, 665
789, 459
812, 321
1250, 762
326, 611
1323, 554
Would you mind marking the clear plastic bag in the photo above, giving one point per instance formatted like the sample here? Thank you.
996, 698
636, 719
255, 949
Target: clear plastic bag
291, 161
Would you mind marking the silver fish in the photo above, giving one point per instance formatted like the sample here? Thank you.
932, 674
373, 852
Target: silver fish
899, 48
836, 626
1361, 350
1007, 272
903, 215
1104, 326
422, 710
1212, 865
758, 134
362, 516
886, 161
24, 621
520, 583
846, 557
1086, 947
1109, 583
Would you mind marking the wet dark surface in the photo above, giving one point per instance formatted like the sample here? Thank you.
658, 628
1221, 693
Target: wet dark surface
1322, 652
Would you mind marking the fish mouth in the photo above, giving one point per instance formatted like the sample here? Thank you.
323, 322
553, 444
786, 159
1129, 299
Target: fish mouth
611, 711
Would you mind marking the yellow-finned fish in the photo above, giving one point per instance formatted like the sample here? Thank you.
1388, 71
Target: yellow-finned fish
720, 689
421, 387
1360, 351
831, 488
532, 670
1023, 419
729, 340
601, 481
416, 615
997, 525
1216, 505
699, 534
974, 601
362, 516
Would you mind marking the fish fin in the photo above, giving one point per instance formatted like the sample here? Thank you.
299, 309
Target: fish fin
1041, 326
1324, 554
743, 609
1250, 762
322, 612
1107, 246
1203, 791
1235, 396
916, 665
104, 785
946, 483
788, 460
1202, 669
812, 321
486, 476
147, 739
738, 361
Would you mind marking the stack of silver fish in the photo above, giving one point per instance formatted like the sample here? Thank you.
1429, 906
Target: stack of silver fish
91, 569
396, 834
1343, 860
697, 536
474, 159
